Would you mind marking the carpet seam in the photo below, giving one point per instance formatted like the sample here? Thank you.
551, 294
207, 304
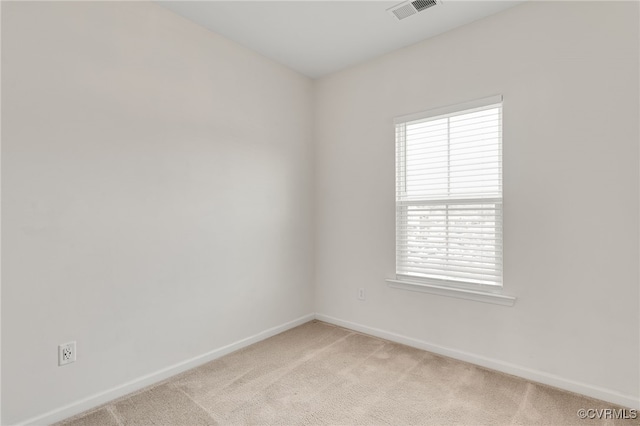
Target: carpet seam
282, 371
111, 409
402, 376
338, 379
296, 364
522, 404
176, 387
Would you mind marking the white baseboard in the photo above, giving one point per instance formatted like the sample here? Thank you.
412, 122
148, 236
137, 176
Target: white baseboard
158, 376
494, 364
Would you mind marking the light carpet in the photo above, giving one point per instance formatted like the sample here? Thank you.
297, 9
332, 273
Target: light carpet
319, 374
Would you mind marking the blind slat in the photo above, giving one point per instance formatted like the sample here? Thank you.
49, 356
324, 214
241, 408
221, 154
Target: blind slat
457, 265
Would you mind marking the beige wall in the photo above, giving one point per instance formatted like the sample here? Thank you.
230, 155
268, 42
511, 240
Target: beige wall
569, 76
155, 196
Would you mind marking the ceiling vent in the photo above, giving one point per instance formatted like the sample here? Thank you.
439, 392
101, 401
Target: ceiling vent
408, 8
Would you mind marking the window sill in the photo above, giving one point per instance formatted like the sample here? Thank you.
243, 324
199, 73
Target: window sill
460, 293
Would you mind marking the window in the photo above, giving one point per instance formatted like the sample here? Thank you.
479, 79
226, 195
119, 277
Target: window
449, 196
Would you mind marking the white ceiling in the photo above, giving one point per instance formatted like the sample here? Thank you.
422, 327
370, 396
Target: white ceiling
317, 38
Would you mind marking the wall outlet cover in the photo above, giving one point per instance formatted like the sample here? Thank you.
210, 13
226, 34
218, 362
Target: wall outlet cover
361, 295
66, 353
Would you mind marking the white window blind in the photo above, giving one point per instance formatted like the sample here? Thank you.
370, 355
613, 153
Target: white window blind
449, 195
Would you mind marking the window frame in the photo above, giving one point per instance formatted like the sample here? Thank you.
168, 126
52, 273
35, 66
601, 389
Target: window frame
458, 287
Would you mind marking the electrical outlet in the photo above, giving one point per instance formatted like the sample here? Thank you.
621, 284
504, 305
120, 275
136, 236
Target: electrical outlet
361, 294
67, 353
